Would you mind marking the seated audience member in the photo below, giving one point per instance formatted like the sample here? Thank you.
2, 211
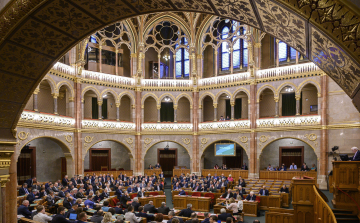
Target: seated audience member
216, 166
135, 203
30, 182
24, 209
141, 193
186, 212
150, 167
23, 190
231, 205
227, 194
304, 167
159, 218
60, 217
83, 218
182, 192
97, 217
173, 219
213, 219
32, 196
251, 196
193, 217
229, 220
230, 179
284, 189
206, 218
293, 166
150, 208
80, 194
62, 192
107, 218
67, 203
212, 189
244, 167
283, 168
313, 167
143, 214
221, 118
118, 209
223, 215
72, 210
356, 156
163, 209
238, 195
130, 216
157, 166
263, 191
270, 168
228, 118
106, 206
89, 203
97, 197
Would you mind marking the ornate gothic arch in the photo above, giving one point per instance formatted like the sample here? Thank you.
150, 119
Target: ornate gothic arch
287, 84
262, 88
51, 83
182, 95
149, 95
168, 95
88, 88
69, 86
112, 92
122, 94
201, 98
220, 93
310, 81
246, 91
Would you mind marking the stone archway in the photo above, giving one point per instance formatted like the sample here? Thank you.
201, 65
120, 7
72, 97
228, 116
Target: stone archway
25, 58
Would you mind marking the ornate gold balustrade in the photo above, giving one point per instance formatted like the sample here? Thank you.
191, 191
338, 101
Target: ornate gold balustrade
166, 128
224, 126
304, 68
108, 125
289, 121
166, 84
34, 119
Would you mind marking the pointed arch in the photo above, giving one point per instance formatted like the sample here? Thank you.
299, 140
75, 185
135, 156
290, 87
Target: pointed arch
186, 96
220, 93
112, 92
287, 84
51, 83
169, 95
127, 93
88, 88
262, 88
68, 85
242, 89
201, 98
149, 95
313, 82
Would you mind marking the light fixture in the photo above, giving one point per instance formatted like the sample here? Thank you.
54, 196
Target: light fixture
104, 96
167, 99
166, 57
227, 20
289, 89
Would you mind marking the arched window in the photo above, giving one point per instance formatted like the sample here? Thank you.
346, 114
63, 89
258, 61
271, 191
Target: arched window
225, 57
286, 53
182, 63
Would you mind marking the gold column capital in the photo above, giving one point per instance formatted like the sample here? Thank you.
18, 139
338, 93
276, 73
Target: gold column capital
37, 90
55, 95
175, 107
277, 41
276, 99
100, 103
117, 105
4, 179
133, 106
71, 99
232, 103
215, 105
297, 97
158, 107
5, 158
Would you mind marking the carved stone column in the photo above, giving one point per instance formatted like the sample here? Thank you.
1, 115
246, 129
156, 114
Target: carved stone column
232, 103
277, 52
253, 145
100, 110
3, 180
324, 134
215, 112
78, 115
35, 100
116, 61
195, 155
200, 115
276, 99
117, 111
216, 62
191, 114
82, 107
9, 177
158, 113
297, 97
138, 118
100, 58
55, 96
175, 113
71, 107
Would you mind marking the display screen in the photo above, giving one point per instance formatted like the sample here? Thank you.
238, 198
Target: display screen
225, 149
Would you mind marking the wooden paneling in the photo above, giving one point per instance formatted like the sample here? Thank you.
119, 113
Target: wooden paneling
275, 217
151, 172
286, 175
234, 173
115, 173
178, 172
198, 203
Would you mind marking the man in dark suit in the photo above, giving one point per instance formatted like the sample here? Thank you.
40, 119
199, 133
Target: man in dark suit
158, 187
150, 208
80, 194
304, 167
193, 217
67, 201
182, 192
135, 203
24, 190
157, 166
65, 181
30, 182
244, 167
97, 217
60, 217
238, 196
72, 210
264, 192
24, 209
206, 216
141, 193
356, 152
124, 199
186, 212
227, 194
118, 209
251, 196
223, 216
284, 189
62, 192
118, 192
32, 196
143, 214
161, 175
171, 215
163, 209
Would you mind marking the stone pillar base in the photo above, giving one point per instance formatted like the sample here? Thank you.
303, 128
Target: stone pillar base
322, 182
253, 176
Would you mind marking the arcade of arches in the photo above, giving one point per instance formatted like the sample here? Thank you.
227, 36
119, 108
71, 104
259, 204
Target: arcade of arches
153, 85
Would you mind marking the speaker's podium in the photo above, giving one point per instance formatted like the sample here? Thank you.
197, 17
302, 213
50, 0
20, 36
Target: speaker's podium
344, 184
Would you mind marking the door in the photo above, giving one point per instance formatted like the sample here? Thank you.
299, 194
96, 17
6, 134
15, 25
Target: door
26, 165
291, 154
100, 159
63, 167
167, 158
234, 161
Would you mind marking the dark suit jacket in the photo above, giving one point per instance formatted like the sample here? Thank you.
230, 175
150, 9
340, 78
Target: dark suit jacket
253, 198
79, 195
124, 199
31, 198
22, 191
61, 194
150, 208
286, 190
118, 210
70, 211
144, 215
266, 192
64, 182
163, 210
237, 197
22, 210
225, 195
96, 218
182, 193
356, 156
136, 205
223, 216
186, 212
140, 193
180, 220
206, 220
156, 188
29, 182
67, 204
60, 219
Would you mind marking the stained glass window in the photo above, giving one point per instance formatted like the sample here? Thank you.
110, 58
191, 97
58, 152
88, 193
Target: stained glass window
182, 61
286, 52
225, 58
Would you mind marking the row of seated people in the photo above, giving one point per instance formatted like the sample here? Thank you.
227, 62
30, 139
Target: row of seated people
293, 167
224, 167
157, 166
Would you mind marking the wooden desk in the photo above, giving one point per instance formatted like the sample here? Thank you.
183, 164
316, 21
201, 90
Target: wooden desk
198, 203
115, 173
285, 175
234, 173
157, 200
216, 195
249, 208
178, 172
150, 172
272, 201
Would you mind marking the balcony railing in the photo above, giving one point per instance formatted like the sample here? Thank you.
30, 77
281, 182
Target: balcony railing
63, 68
46, 119
287, 70
172, 127
225, 79
108, 78
111, 125
224, 125
288, 121
160, 83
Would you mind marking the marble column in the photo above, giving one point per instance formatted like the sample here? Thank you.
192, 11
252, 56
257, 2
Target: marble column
277, 52
276, 99
78, 115
100, 110
253, 145
297, 97
215, 112
11, 191
175, 113
3, 201
200, 115
118, 112
232, 103
323, 170
117, 61
195, 144
82, 108
35, 100
138, 116
216, 62
191, 114
100, 58
55, 96
158, 113
71, 107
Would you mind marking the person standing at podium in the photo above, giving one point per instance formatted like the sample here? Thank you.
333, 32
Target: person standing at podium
356, 156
